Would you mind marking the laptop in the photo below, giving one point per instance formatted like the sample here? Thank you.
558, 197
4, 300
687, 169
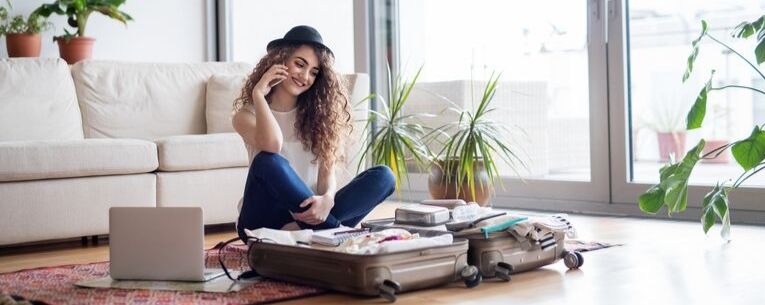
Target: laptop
149, 243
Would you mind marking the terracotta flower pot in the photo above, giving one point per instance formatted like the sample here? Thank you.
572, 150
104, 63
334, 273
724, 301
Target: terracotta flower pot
23, 44
442, 188
76, 49
671, 142
711, 145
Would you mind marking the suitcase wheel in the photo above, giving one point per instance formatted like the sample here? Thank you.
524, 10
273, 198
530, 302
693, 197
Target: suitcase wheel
388, 290
502, 270
573, 260
471, 276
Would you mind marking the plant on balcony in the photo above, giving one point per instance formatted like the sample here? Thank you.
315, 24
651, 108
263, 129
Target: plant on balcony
22, 36
75, 46
666, 120
398, 138
749, 152
466, 166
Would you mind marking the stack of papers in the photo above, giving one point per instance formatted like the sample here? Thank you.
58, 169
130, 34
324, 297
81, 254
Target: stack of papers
334, 237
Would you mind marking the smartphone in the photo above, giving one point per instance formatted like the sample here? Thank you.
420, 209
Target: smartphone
274, 82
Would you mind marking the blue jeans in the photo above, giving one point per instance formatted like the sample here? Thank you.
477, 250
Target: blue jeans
273, 190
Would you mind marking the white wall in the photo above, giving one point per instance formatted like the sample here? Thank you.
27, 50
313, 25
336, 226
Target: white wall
255, 23
162, 31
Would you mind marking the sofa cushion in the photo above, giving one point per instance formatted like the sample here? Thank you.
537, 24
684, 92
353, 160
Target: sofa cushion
33, 160
222, 90
38, 100
197, 152
145, 100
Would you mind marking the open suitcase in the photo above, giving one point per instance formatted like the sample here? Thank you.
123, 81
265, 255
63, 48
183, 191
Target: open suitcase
382, 275
502, 253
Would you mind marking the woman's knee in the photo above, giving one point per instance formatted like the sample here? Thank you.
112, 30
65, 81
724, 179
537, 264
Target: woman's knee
267, 160
385, 176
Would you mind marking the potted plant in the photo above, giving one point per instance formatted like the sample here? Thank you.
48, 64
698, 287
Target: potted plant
749, 153
398, 138
22, 37
466, 166
75, 46
720, 121
666, 120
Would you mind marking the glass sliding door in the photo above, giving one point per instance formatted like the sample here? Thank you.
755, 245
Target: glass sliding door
551, 94
650, 101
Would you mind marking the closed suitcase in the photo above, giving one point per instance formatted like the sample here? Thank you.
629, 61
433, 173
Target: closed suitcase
382, 275
502, 254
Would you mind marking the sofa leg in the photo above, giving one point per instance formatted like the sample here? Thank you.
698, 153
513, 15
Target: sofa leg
84, 240
94, 239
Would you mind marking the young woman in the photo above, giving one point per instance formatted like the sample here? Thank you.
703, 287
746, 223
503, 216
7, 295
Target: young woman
292, 114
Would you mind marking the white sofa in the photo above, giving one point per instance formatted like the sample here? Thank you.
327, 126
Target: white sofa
77, 140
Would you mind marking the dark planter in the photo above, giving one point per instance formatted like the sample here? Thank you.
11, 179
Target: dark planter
442, 188
76, 49
23, 44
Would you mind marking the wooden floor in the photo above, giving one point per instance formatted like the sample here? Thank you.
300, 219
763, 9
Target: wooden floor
662, 262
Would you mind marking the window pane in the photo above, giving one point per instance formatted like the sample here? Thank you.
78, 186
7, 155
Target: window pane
541, 50
255, 23
660, 36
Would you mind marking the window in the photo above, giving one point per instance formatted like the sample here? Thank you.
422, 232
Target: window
540, 49
660, 39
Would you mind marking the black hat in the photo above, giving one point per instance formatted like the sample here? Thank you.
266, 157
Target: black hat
298, 35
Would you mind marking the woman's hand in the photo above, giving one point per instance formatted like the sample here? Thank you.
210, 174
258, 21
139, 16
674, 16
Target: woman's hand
317, 213
272, 77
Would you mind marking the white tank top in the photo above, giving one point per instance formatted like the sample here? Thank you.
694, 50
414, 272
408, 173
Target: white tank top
292, 149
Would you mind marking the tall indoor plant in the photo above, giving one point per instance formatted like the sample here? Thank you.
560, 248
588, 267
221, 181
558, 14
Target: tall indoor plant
22, 36
749, 153
398, 138
75, 46
466, 166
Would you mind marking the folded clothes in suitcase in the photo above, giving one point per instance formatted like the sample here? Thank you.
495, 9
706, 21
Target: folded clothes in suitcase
384, 274
508, 244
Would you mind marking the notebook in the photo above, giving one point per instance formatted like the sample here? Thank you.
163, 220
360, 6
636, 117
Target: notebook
336, 236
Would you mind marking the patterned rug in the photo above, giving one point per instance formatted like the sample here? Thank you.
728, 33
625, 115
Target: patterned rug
55, 285
584, 246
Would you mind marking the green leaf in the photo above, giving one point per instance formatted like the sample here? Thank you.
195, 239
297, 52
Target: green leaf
652, 200
716, 204
675, 180
743, 30
746, 29
707, 220
751, 151
691, 60
696, 115
694, 51
759, 50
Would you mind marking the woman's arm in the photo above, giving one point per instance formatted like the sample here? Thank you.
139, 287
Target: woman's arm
327, 183
261, 129
320, 205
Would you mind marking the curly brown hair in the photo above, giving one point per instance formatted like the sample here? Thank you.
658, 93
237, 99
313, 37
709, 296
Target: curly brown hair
323, 113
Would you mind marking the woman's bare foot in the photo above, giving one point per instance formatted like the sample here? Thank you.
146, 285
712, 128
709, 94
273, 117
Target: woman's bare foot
292, 226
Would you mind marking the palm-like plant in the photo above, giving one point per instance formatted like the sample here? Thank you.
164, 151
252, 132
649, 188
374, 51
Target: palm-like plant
473, 139
397, 137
